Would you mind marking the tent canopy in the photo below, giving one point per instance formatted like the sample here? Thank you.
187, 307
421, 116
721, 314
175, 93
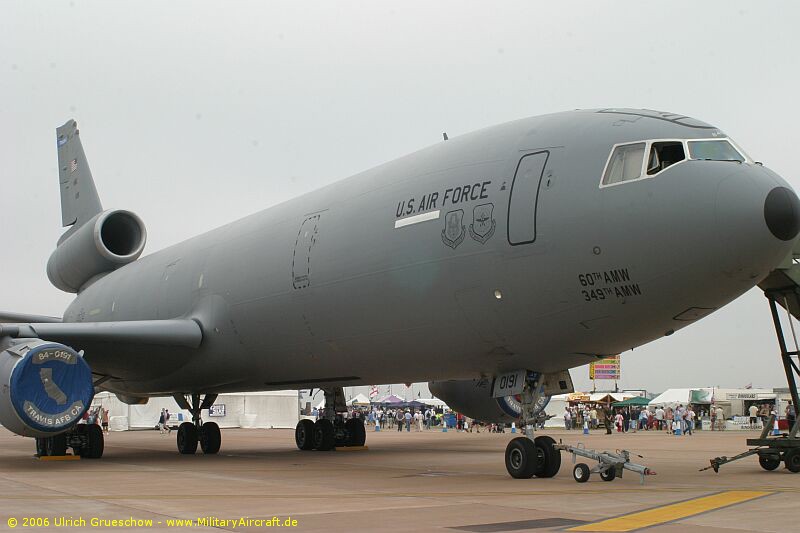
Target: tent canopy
435, 402
358, 399
636, 400
674, 397
391, 399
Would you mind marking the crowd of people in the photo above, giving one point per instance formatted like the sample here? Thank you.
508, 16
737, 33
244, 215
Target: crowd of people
680, 420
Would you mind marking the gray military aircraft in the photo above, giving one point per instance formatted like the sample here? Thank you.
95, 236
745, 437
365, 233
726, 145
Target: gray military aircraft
490, 263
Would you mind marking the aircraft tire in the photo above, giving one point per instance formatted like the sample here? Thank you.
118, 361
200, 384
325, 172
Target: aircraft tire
768, 462
41, 447
358, 435
581, 472
210, 438
550, 457
608, 475
792, 460
187, 438
56, 445
521, 458
95, 442
324, 437
304, 435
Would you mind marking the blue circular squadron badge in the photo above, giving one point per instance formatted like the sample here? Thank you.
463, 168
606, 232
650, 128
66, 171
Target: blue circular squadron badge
51, 387
511, 405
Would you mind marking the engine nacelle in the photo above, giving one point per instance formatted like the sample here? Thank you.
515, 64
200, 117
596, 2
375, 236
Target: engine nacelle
474, 399
109, 240
45, 388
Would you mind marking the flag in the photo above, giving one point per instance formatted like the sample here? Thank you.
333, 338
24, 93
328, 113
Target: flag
373, 391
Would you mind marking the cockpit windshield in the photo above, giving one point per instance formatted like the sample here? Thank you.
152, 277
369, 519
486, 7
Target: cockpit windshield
634, 161
714, 150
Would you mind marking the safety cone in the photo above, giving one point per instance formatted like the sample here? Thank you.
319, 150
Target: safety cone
444, 426
585, 427
513, 427
775, 429
377, 426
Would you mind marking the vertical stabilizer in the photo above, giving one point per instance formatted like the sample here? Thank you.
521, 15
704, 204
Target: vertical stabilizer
79, 200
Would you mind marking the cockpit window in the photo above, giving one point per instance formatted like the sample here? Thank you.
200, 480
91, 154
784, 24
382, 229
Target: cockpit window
663, 154
714, 150
625, 164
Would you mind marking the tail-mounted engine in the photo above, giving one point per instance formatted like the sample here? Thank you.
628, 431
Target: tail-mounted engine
45, 388
109, 240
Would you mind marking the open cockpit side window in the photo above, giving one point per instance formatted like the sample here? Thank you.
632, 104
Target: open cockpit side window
663, 154
625, 163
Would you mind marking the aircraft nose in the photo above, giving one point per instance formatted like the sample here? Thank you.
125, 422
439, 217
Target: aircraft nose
757, 220
782, 213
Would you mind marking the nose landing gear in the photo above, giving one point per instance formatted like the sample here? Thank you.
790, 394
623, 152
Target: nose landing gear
528, 456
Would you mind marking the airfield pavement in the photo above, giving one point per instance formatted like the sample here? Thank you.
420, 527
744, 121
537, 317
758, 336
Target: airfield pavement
417, 481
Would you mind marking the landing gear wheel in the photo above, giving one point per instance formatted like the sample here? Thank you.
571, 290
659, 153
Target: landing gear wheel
187, 438
41, 447
581, 472
608, 475
768, 462
95, 442
304, 434
56, 445
324, 437
355, 428
549, 456
522, 460
210, 438
792, 460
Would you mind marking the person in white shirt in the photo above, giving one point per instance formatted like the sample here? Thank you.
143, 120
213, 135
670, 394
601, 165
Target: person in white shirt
753, 410
567, 418
660, 418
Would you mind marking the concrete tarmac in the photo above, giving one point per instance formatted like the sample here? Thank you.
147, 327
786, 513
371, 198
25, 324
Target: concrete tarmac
417, 481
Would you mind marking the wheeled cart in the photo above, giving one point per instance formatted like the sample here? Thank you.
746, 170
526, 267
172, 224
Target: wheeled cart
609, 465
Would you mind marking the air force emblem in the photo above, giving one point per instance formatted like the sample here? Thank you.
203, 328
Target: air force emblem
454, 231
483, 224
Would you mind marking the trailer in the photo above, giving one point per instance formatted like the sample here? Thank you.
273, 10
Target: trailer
771, 451
609, 465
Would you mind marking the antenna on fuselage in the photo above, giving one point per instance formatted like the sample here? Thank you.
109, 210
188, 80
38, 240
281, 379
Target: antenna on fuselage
444, 135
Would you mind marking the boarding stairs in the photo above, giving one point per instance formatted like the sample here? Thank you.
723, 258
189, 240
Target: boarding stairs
782, 288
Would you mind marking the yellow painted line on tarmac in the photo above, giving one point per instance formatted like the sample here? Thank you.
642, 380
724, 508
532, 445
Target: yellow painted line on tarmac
672, 512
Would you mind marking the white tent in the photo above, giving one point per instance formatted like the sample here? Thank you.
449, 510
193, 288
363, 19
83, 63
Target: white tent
434, 402
358, 399
672, 397
271, 409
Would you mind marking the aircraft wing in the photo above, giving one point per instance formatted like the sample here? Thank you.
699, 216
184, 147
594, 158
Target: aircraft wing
9, 317
179, 332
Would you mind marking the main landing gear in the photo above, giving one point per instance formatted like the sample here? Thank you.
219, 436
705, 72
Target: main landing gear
331, 430
528, 456
190, 434
85, 440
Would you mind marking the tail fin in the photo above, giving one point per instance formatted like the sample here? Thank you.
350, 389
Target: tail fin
79, 200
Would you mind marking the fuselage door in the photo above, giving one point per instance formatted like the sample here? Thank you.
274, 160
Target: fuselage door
524, 198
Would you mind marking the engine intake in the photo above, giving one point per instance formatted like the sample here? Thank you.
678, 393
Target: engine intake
109, 240
46, 388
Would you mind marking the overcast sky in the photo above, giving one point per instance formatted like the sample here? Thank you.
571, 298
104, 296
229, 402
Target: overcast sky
194, 114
